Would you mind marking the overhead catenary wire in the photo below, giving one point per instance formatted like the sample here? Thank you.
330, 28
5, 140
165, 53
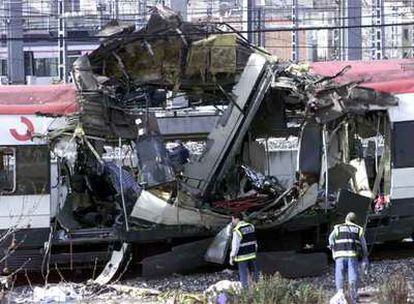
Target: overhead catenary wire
192, 10
218, 32
92, 18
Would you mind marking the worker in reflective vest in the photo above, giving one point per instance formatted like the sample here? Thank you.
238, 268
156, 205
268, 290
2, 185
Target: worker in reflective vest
243, 249
348, 244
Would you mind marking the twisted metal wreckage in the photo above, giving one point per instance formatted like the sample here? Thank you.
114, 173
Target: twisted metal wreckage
170, 216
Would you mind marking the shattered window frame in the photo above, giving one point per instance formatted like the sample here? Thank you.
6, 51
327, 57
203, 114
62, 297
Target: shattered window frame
12, 162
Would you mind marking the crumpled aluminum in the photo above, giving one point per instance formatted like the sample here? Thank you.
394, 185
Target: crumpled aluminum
217, 251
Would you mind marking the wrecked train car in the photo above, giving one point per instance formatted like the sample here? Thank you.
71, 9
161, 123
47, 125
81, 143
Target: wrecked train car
115, 190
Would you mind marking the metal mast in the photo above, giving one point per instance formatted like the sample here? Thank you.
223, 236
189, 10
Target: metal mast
62, 43
114, 10
15, 54
142, 14
377, 34
295, 36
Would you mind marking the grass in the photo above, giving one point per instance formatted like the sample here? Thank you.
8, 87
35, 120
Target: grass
275, 289
269, 290
394, 290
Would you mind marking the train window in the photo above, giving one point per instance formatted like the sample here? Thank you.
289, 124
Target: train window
7, 170
403, 145
32, 170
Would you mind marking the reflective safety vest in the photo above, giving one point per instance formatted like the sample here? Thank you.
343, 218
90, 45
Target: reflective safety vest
248, 242
347, 244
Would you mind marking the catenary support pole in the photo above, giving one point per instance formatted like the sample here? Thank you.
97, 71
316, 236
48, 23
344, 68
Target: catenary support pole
325, 153
62, 44
121, 184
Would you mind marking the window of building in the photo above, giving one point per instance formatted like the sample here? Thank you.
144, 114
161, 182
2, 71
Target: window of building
46, 67
405, 34
7, 170
3, 67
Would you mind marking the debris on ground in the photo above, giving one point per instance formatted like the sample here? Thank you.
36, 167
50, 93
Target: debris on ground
209, 286
219, 292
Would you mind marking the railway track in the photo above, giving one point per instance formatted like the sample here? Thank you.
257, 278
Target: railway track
391, 250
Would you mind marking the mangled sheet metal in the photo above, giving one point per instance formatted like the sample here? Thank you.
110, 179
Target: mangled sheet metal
288, 210
115, 88
114, 265
225, 140
218, 249
172, 53
100, 115
325, 99
153, 209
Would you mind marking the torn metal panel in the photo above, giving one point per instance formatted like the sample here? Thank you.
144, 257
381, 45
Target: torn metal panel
210, 54
225, 140
171, 53
83, 76
155, 210
355, 100
114, 265
101, 118
292, 209
218, 249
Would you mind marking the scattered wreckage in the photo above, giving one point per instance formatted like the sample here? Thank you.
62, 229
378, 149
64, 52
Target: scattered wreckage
87, 179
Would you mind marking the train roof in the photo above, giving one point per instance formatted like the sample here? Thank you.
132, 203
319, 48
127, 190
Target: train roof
388, 76
38, 99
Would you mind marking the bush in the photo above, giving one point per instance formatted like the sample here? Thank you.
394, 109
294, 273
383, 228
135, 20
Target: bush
394, 290
275, 289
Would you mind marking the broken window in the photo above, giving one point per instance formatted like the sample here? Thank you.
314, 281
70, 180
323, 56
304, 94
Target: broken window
7, 170
403, 145
405, 34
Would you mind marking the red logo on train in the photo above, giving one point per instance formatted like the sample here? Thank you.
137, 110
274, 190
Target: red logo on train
29, 132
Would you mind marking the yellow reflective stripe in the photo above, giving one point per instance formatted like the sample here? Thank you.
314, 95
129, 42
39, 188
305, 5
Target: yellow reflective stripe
245, 257
361, 230
238, 232
239, 225
344, 254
